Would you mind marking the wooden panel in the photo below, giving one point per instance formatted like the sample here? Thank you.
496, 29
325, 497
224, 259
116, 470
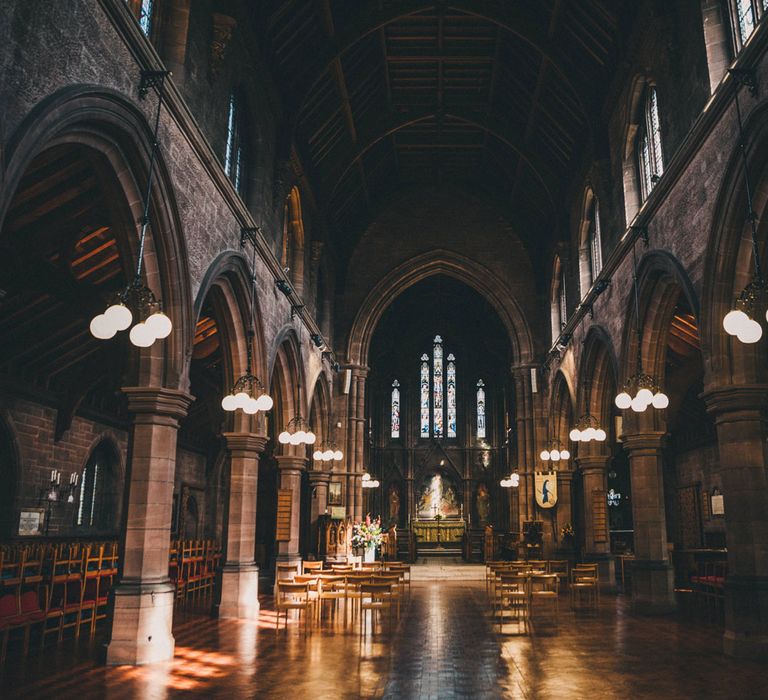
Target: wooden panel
284, 503
600, 515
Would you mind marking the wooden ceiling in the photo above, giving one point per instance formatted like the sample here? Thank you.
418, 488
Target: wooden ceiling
494, 95
59, 264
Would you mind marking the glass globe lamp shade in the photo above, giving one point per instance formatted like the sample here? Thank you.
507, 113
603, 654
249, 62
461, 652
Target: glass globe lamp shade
515, 479
338, 455
229, 403
327, 455
102, 328
554, 455
265, 402
623, 401
251, 407
299, 436
544, 455
750, 332
310, 438
242, 399
159, 324
284, 438
565, 454
317, 455
142, 336
120, 316
601, 435
638, 405
575, 434
660, 400
295, 439
734, 321
645, 395
366, 477
375, 483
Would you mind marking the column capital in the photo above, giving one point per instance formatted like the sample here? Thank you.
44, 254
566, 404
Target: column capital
172, 404
736, 398
649, 441
592, 463
290, 463
245, 442
319, 477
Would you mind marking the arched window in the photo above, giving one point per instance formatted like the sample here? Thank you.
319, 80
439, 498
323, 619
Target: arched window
558, 301
234, 157
480, 409
745, 16
395, 409
650, 161
439, 403
424, 396
591, 247
146, 13
437, 387
451, 395
97, 498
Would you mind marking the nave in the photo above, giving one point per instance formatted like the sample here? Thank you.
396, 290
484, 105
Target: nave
444, 646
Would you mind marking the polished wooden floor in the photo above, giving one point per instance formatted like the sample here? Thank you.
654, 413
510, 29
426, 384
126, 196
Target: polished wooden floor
444, 647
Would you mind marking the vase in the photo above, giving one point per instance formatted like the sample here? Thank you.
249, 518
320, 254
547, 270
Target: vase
370, 554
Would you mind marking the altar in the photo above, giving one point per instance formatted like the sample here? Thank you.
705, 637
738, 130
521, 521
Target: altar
451, 530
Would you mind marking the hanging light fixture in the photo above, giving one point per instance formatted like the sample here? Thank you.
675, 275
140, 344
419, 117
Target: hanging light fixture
554, 452
298, 431
369, 482
248, 393
741, 321
587, 428
640, 390
328, 451
137, 303
512, 481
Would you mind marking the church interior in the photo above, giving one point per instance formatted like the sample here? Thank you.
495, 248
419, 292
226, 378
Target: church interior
383, 348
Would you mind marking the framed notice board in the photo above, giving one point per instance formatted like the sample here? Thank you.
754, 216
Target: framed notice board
284, 501
600, 515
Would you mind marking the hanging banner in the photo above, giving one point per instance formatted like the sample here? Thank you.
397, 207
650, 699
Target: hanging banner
545, 484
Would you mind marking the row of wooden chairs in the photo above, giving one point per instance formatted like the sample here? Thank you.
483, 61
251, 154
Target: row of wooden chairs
374, 588
54, 587
192, 568
525, 597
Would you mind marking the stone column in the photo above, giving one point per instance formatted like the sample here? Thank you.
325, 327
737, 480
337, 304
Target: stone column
143, 599
652, 574
319, 505
740, 416
525, 416
356, 438
291, 468
240, 574
597, 544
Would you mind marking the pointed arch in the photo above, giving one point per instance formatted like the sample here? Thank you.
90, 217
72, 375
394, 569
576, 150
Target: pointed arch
292, 255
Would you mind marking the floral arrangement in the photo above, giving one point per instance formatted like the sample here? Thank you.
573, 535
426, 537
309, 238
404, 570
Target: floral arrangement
367, 534
566, 532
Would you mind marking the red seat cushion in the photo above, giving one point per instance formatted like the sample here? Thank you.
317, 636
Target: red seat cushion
8, 605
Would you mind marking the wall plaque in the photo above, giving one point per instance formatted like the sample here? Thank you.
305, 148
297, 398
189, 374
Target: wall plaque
31, 522
284, 503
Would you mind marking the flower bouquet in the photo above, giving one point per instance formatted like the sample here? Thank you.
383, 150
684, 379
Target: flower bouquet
368, 536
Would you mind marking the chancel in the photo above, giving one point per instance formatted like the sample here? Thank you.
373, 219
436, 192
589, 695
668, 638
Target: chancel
383, 349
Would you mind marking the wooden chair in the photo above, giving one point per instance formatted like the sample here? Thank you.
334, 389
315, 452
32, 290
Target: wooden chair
559, 567
292, 596
512, 595
375, 597
544, 592
311, 566
330, 587
396, 586
585, 581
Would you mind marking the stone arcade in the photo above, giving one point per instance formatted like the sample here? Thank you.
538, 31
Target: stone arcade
460, 266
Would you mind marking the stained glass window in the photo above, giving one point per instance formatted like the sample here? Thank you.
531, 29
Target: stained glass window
745, 17
595, 244
395, 409
145, 16
437, 387
450, 379
424, 396
480, 409
562, 302
234, 157
649, 155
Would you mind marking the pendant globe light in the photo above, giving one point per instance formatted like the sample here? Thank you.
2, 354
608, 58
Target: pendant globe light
641, 390
587, 429
298, 431
248, 393
741, 321
328, 451
137, 304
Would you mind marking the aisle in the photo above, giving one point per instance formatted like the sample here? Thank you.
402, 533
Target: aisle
444, 647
